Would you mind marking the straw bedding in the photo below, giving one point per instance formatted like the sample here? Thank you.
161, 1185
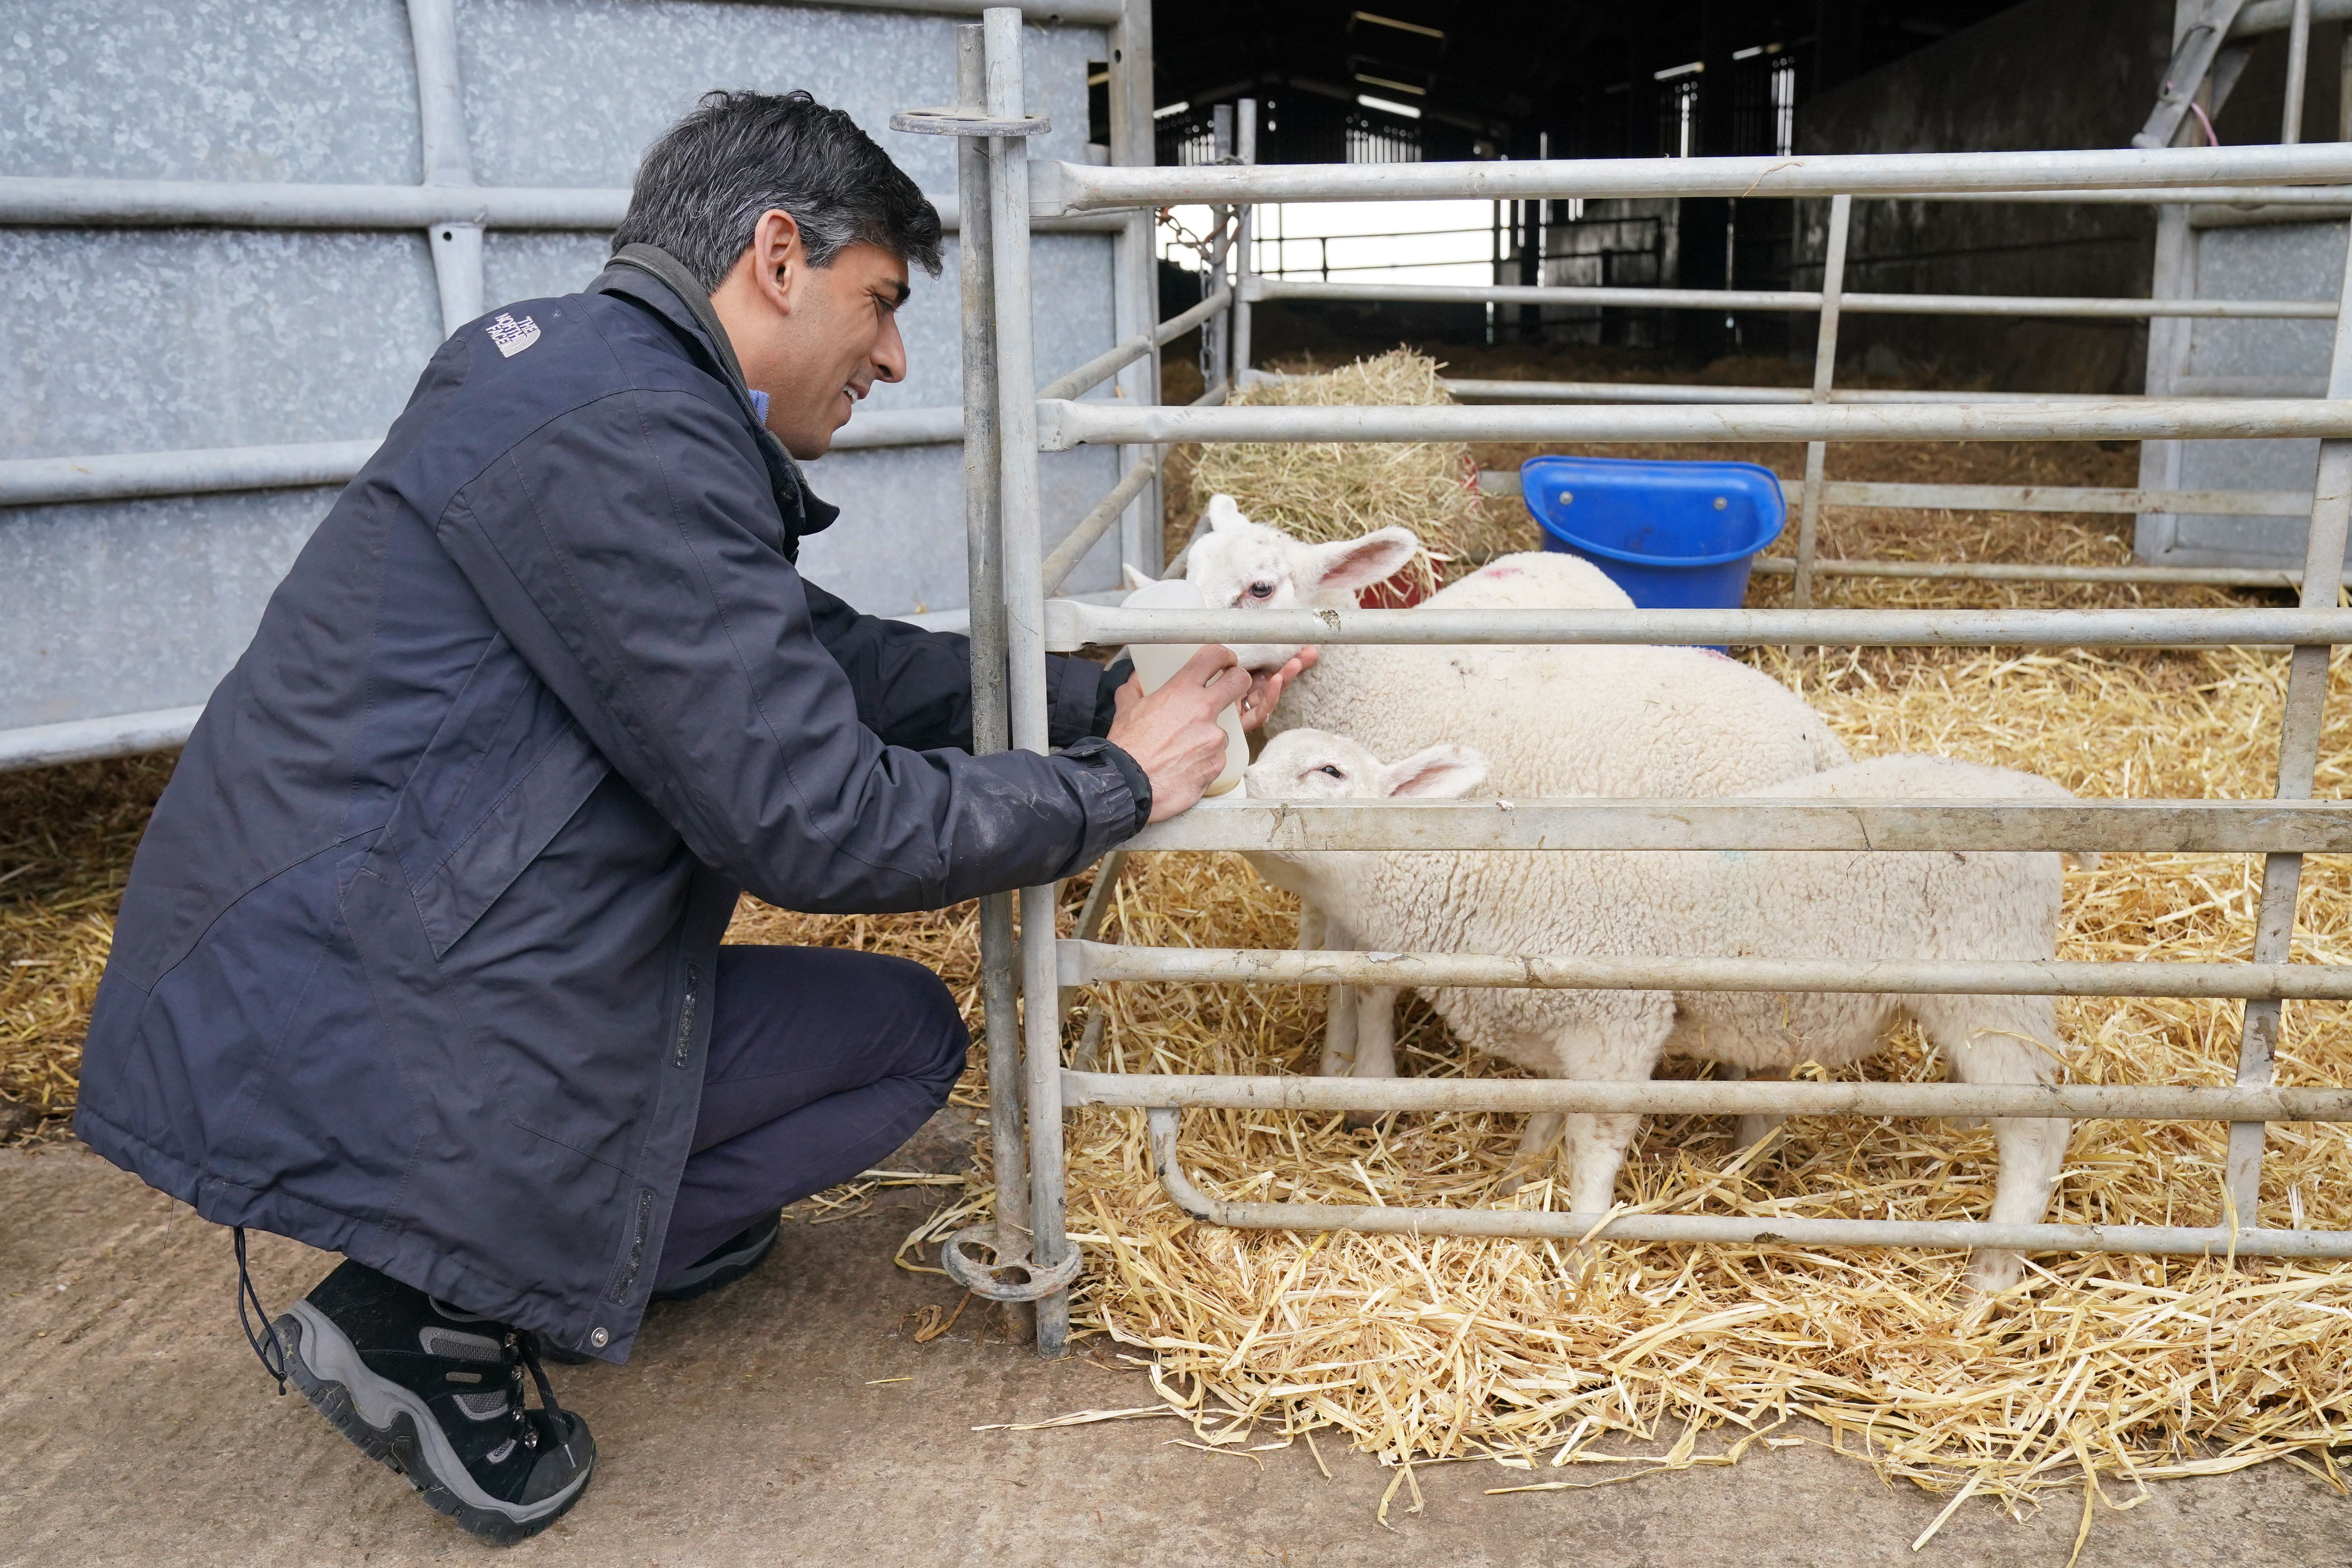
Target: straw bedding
2099, 1374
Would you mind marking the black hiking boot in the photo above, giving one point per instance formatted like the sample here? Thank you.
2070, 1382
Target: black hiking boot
439, 1396
723, 1263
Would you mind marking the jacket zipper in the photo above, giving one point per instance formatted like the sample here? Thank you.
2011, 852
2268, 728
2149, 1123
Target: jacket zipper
637, 1258
686, 1018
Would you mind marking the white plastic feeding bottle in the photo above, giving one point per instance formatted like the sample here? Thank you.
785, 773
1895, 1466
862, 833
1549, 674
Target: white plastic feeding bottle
1156, 662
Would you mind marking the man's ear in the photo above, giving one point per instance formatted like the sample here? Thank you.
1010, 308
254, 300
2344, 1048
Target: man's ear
1359, 562
778, 257
1224, 513
1445, 772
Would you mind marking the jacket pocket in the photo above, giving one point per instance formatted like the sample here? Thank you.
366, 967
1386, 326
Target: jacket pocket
453, 894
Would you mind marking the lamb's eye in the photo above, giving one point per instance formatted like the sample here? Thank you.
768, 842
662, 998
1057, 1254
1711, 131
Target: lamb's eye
1261, 590
1328, 768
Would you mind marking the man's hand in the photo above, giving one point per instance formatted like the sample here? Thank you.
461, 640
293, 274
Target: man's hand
1173, 734
1265, 690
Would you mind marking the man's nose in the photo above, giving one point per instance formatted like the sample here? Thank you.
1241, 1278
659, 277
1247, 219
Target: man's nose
890, 352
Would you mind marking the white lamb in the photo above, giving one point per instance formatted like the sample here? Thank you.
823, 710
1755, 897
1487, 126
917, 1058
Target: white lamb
1551, 721
1811, 904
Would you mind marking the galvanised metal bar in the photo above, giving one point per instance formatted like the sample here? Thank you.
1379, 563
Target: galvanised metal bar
2194, 54
1796, 300
1475, 390
39, 201
2027, 572
1087, 963
2298, 758
1024, 599
1111, 361
2298, 65
82, 739
41, 481
446, 158
1044, 13
1064, 425
2067, 498
1380, 1220
1833, 304
1095, 524
991, 704
1135, 296
2018, 498
2110, 826
1075, 188
122, 476
1237, 367
1688, 1096
1070, 625
2270, 16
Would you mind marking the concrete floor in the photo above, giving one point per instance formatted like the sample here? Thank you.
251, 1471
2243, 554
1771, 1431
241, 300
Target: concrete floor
752, 1428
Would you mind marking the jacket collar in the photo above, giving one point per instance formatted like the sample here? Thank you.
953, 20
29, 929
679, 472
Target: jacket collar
653, 278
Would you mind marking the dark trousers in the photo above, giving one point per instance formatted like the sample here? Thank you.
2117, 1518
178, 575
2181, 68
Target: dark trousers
823, 1061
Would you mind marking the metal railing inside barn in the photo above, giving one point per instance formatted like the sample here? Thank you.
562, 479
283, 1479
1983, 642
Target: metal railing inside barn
1007, 427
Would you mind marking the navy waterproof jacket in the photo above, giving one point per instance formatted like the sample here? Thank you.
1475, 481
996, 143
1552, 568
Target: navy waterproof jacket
415, 962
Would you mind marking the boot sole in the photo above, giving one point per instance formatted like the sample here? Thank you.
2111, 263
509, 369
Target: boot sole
389, 1424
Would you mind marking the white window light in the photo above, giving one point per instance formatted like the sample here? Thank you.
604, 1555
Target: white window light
1176, 108
1400, 26
1747, 54
1411, 111
1672, 71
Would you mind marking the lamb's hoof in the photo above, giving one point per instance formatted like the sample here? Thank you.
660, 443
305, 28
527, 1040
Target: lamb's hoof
1754, 1130
1991, 1273
1510, 1184
1358, 1121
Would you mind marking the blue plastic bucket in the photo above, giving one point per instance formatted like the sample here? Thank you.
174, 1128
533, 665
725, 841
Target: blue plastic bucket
1673, 535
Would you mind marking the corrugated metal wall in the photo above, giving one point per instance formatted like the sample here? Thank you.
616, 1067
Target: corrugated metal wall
120, 340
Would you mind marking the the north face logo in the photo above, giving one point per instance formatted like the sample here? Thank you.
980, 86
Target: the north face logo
512, 336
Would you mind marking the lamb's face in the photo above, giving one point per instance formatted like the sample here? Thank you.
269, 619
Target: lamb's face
1315, 765
1244, 566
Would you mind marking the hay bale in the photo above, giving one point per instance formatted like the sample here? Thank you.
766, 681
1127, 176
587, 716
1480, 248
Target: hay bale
1330, 490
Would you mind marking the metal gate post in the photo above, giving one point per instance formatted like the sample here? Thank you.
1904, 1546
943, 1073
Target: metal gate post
1135, 285
446, 159
2306, 699
1024, 598
1244, 220
1809, 517
991, 727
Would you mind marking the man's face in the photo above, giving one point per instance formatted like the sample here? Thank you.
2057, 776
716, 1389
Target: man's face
814, 339
845, 337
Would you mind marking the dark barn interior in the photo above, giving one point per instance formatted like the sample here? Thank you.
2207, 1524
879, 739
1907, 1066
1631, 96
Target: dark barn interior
1416, 80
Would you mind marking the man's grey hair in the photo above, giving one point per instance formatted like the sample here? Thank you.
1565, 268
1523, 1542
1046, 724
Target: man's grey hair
703, 186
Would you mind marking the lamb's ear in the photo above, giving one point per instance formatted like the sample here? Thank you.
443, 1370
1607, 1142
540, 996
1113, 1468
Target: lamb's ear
1135, 578
1353, 563
1224, 513
1442, 773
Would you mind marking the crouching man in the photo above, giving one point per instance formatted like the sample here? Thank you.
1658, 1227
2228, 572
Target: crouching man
419, 961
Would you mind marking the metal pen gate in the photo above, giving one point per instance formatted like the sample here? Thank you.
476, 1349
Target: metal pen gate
1007, 428
215, 264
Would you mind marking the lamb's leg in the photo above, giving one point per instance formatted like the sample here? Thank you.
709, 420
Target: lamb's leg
1623, 1044
1535, 1138
1754, 1130
2005, 1039
1375, 1042
1317, 932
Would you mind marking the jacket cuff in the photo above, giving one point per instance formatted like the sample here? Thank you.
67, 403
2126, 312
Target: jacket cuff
1073, 699
1107, 697
1138, 782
